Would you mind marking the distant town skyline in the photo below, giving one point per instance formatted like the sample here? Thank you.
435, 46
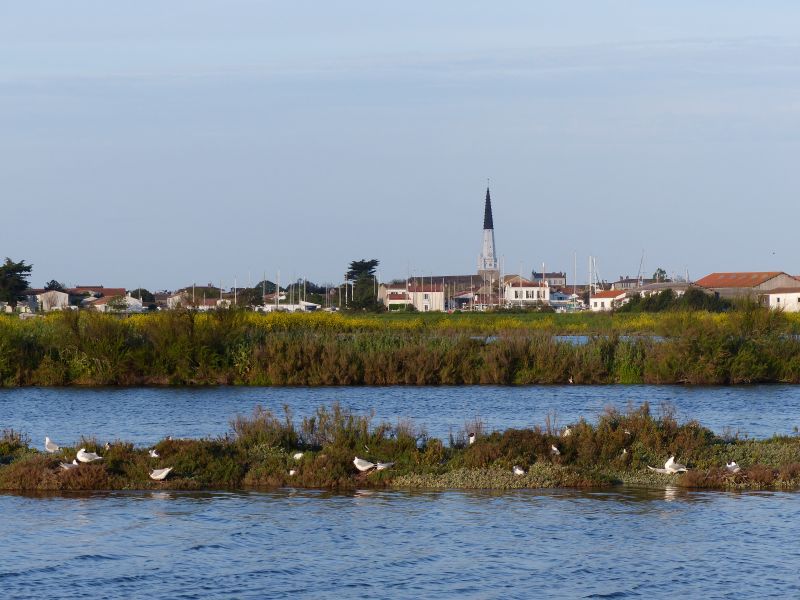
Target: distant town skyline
163, 144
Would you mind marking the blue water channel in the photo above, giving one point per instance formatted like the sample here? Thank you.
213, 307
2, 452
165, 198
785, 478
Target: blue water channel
622, 542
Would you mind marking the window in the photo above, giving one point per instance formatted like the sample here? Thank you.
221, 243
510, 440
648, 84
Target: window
595, 303
426, 297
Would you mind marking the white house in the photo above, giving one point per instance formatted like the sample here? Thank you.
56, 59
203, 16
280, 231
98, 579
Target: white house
785, 298
606, 300
394, 296
302, 306
52, 300
427, 297
126, 303
519, 291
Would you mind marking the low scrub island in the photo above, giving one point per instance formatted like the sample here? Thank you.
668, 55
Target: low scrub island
262, 452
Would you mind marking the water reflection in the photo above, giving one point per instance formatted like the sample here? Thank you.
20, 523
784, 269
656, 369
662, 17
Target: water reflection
475, 543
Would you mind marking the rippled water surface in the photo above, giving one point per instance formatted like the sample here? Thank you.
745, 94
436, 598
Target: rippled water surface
146, 415
625, 543
557, 544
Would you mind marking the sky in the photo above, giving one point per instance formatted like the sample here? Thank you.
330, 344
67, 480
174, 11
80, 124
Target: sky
156, 144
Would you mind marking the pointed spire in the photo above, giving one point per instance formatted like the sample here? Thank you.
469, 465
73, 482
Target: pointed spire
487, 212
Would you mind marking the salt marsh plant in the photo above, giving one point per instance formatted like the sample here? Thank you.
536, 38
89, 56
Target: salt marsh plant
237, 347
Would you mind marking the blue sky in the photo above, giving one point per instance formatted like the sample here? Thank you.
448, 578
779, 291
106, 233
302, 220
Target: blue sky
161, 143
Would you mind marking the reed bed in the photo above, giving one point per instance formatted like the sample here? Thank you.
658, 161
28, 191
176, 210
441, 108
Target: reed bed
243, 348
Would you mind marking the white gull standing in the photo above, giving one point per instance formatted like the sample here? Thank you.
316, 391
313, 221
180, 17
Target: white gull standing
670, 467
160, 474
87, 457
50, 445
363, 465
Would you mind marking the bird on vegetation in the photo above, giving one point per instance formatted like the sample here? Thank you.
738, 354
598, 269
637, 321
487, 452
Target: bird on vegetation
381, 466
292, 472
624, 451
570, 380
160, 474
674, 467
518, 470
733, 467
567, 432
297, 455
670, 467
363, 465
69, 466
472, 437
153, 454
107, 446
554, 451
50, 445
87, 457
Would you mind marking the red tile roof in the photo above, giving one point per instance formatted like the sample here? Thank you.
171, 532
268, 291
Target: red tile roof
526, 283
397, 296
737, 280
97, 290
609, 294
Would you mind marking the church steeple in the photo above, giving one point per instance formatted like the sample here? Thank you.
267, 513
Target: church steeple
487, 212
487, 263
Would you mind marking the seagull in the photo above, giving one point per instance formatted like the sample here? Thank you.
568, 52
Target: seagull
153, 454
292, 472
518, 470
381, 466
297, 455
674, 467
733, 467
472, 437
624, 451
555, 451
363, 465
670, 467
567, 432
570, 379
87, 457
107, 446
160, 474
69, 466
50, 445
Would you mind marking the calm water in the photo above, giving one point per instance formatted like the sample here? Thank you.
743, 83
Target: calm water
563, 544
560, 544
146, 415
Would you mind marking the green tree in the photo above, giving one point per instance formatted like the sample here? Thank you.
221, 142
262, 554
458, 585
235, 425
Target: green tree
117, 304
364, 291
362, 268
54, 285
660, 275
143, 295
13, 280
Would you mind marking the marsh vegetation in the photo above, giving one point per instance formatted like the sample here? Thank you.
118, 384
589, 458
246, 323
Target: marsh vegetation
264, 450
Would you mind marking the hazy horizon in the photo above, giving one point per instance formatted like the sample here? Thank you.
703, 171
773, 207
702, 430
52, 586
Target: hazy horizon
157, 145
